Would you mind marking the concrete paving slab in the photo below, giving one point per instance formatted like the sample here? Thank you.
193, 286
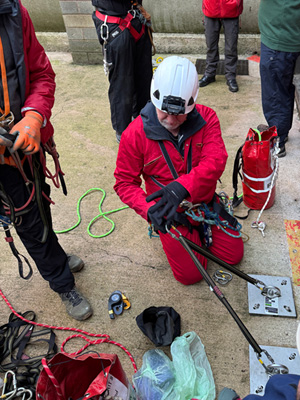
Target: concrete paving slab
128, 260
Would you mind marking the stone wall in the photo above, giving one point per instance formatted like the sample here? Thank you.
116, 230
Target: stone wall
83, 41
178, 29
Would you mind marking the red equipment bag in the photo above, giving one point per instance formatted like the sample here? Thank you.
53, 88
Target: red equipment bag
257, 159
88, 376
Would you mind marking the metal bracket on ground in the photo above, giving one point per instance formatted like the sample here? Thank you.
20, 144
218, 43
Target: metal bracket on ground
283, 306
286, 356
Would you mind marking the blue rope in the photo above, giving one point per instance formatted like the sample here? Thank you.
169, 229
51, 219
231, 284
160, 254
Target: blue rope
150, 232
212, 218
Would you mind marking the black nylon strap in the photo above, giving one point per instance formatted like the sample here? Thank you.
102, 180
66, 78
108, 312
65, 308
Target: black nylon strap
168, 159
236, 171
189, 159
39, 197
156, 181
15, 252
12, 339
170, 164
218, 208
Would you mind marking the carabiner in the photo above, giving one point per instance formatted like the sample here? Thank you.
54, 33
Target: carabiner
11, 394
172, 234
104, 35
132, 11
272, 369
222, 277
258, 284
7, 121
23, 391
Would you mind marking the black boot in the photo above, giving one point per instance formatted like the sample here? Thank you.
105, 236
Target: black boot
206, 80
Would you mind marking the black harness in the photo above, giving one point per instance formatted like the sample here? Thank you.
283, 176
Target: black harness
216, 203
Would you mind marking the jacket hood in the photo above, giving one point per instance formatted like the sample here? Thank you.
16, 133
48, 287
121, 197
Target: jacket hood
155, 131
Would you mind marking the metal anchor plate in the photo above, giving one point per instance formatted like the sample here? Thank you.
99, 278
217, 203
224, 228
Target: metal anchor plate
283, 306
282, 355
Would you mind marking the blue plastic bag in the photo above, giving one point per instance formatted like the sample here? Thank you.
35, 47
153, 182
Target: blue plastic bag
155, 380
187, 377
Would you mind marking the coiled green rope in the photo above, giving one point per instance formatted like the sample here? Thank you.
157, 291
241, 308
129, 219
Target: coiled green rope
101, 214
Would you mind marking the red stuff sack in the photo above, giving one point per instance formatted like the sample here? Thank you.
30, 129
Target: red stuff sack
88, 376
258, 167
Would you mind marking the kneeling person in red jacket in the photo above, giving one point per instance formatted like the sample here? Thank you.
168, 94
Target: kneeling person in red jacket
176, 146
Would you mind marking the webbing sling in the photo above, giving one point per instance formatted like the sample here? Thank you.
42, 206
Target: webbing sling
16, 336
124, 23
15, 252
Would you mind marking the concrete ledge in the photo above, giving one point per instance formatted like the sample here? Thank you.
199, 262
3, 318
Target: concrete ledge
54, 41
177, 43
242, 66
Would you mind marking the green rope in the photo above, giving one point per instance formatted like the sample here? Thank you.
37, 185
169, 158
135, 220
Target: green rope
101, 214
258, 133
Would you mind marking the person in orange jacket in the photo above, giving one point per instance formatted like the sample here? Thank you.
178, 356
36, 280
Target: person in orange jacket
26, 99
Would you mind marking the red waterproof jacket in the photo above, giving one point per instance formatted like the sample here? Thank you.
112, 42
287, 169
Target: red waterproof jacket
140, 156
222, 8
40, 77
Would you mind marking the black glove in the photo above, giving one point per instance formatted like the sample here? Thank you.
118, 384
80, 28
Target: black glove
159, 224
181, 219
163, 211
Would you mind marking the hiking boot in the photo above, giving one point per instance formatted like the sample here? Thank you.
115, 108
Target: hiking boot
75, 263
77, 305
282, 152
206, 80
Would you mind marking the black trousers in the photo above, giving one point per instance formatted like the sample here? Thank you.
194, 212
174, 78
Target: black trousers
212, 34
49, 257
130, 72
277, 89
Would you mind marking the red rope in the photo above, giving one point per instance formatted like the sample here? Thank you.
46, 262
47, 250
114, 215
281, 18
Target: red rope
104, 338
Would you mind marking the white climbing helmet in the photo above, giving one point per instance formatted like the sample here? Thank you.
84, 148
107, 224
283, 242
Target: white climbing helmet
174, 87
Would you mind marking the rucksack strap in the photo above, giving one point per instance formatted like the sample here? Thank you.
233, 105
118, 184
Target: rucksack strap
236, 172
